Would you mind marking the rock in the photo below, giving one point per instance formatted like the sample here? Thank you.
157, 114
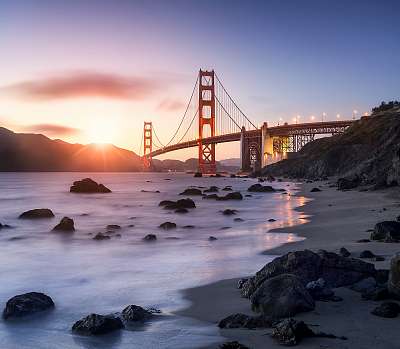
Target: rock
229, 212
231, 196
290, 332
344, 252
270, 178
378, 293
181, 210
281, 296
348, 183
363, 240
314, 190
167, 203
388, 231
366, 254
212, 189
191, 191
238, 219
241, 283
37, 213
113, 227
186, 203
188, 227
245, 321
88, 185
382, 276
271, 220
101, 236
27, 304
150, 237
394, 276
5, 226
211, 197
248, 196
233, 345
387, 310
337, 271
167, 225
228, 188
364, 285
134, 313
319, 291
232, 176
261, 188
198, 174
66, 224
212, 238
95, 324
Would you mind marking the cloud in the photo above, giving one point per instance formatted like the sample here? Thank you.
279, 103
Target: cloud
53, 129
170, 105
85, 84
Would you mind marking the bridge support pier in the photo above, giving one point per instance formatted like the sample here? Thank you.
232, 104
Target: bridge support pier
250, 151
147, 144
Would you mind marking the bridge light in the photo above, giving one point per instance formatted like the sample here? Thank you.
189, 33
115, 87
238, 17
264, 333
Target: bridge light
323, 116
312, 117
294, 119
366, 114
355, 112
337, 116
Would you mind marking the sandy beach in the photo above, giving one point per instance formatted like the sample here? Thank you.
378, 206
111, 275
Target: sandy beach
336, 219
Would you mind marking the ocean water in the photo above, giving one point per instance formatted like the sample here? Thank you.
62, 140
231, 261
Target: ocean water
85, 276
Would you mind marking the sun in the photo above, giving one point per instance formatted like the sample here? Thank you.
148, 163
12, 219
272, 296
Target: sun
101, 132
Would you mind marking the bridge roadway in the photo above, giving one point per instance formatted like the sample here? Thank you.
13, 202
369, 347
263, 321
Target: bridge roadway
286, 130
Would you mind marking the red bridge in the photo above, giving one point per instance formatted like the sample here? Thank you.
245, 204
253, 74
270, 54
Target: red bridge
212, 117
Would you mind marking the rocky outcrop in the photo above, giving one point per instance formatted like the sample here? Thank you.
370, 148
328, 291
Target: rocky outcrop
309, 266
320, 292
135, 313
66, 225
387, 231
88, 186
259, 188
281, 296
37, 213
95, 324
27, 304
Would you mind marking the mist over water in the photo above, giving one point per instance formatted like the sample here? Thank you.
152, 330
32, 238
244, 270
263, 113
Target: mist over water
85, 276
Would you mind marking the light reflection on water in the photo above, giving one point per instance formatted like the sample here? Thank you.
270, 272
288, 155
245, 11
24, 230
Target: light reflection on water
85, 276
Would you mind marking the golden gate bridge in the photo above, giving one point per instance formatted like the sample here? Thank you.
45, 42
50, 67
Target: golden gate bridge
212, 116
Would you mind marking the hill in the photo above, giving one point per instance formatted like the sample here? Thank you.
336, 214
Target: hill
369, 150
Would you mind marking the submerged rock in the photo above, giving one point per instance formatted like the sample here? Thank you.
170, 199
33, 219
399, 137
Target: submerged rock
27, 304
191, 191
281, 296
212, 189
66, 224
233, 345
315, 190
212, 238
95, 324
37, 213
388, 231
231, 196
101, 236
150, 237
88, 186
113, 227
261, 188
134, 313
229, 212
181, 210
168, 225
176, 205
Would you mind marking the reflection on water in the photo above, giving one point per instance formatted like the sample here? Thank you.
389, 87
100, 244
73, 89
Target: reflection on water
85, 276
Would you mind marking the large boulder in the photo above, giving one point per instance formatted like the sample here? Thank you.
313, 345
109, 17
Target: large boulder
168, 225
282, 296
95, 324
290, 332
394, 276
388, 231
135, 313
27, 304
37, 213
88, 186
309, 266
66, 225
259, 188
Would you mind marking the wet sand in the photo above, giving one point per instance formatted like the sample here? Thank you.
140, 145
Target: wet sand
336, 219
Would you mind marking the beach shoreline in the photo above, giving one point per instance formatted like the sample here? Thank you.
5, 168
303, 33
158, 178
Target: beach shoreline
335, 219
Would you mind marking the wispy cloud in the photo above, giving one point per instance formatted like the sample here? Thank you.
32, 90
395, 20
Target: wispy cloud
170, 105
85, 84
53, 129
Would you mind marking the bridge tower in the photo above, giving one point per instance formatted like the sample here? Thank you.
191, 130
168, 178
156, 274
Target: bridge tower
147, 143
207, 164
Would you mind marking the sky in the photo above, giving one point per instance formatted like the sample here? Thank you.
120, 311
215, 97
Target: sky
93, 71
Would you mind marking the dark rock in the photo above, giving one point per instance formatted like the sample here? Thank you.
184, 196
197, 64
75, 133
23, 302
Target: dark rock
270, 178
186, 203
366, 254
149, 191
314, 190
387, 310
271, 220
382, 276
181, 210
134, 313
388, 231
113, 227
233, 345
227, 189
150, 237
363, 240
248, 196
261, 188
198, 174
241, 282
319, 291
167, 203
212, 189
88, 185
281, 296
378, 293
95, 324
101, 236
238, 219
344, 252
191, 191
211, 197
66, 224
37, 213
168, 225
27, 304
229, 212
245, 321
290, 332
336, 270
5, 226
188, 227
394, 276
231, 196
348, 183
212, 238
232, 175
364, 286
